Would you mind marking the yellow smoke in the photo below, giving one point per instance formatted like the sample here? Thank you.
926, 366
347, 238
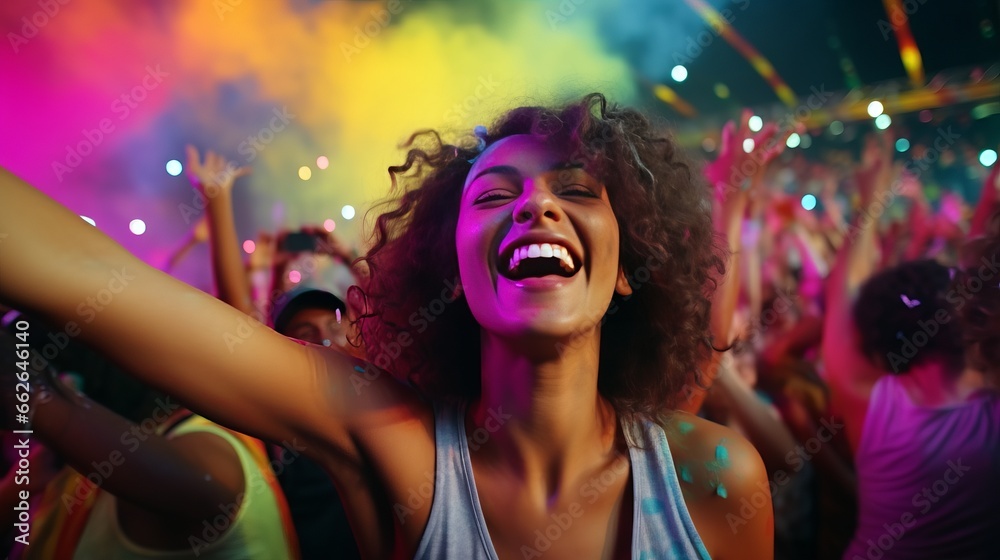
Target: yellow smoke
358, 77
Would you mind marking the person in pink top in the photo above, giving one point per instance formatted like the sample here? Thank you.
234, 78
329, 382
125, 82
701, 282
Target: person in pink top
924, 427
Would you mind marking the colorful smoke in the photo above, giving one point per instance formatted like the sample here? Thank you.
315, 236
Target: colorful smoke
99, 95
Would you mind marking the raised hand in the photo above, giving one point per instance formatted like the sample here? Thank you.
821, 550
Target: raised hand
263, 255
734, 166
874, 174
213, 176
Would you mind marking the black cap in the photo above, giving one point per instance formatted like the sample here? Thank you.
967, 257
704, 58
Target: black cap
295, 300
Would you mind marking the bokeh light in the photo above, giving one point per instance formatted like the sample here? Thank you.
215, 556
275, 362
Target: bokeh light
174, 167
793, 140
88, 220
249, 246
679, 73
305, 173
836, 128
882, 122
347, 212
748, 145
987, 157
329, 224
294, 276
809, 201
902, 145
875, 109
137, 226
322, 162
755, 123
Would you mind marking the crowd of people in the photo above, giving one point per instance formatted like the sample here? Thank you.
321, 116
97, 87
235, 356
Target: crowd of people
566, 338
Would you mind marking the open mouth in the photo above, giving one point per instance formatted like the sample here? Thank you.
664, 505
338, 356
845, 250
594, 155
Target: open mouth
535, 260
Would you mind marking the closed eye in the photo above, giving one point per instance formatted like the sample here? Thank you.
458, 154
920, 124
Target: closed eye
492, 195
577, 190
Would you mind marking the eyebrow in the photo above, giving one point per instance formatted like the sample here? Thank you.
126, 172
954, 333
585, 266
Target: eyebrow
511, 170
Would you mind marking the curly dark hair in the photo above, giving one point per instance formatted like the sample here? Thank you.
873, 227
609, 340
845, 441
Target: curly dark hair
976, 295
904, 317
652, 342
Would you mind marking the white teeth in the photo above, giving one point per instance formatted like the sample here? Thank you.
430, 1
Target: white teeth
544, 250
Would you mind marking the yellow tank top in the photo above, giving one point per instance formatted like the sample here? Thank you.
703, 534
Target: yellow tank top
259, 529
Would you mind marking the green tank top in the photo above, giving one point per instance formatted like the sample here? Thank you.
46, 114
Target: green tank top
256, 531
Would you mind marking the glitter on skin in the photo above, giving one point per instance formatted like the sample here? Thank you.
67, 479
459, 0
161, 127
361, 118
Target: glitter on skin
722, 454
721, 458
686, 474
685, 427
721, 462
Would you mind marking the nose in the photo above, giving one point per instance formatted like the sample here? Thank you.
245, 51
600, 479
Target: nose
536, 201
336, 333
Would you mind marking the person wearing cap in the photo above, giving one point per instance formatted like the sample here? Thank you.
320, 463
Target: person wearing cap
311, 315
316, 316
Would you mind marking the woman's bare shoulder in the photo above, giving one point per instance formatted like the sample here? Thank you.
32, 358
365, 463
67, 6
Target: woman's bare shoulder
724, 484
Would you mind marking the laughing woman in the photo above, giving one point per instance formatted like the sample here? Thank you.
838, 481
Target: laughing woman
540, 299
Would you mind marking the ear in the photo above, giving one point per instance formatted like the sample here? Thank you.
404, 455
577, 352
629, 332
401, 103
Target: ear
622, 287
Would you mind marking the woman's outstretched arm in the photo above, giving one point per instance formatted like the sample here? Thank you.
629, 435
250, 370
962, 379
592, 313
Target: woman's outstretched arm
216, 360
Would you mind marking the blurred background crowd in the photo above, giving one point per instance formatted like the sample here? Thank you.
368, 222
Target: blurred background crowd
851, 148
